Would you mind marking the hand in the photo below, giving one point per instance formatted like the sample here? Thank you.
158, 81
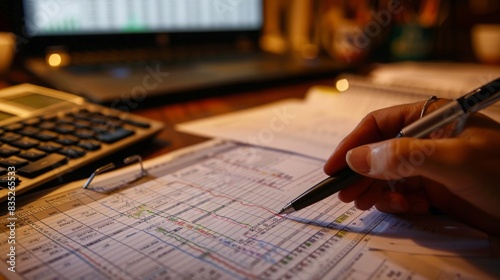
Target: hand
458, 175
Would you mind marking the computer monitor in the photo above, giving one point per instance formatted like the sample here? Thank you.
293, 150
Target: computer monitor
96, 24
87, 17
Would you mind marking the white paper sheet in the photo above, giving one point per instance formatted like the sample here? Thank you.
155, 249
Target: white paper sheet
312, 127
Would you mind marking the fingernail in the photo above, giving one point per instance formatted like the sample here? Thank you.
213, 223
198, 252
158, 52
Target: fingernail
359, 159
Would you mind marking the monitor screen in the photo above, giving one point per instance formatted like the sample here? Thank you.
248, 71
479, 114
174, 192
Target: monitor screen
97, 17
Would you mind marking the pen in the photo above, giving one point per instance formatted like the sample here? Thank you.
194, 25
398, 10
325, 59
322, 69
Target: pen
456, 110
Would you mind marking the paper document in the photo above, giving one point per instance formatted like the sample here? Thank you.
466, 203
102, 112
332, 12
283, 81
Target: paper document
205, 213
444, 79
313, 127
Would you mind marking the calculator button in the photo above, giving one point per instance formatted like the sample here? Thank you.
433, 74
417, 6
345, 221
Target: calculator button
32, 122
113, 123
32, 154
89, 145
46, 135
42, 165
64, 128
49, 118
29, 131
25, 143
67, 140
83, 116
13, 127
9, 137
72, 152
100, 120
84, 133
66, 119
13, 161
114, 135
47, 125
100, 128
7, 151
82, 123
49, 147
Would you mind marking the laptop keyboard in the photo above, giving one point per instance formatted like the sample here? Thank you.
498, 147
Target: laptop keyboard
169, 56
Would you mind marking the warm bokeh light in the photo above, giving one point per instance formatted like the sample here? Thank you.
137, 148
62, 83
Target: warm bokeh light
342, 85
57, 59
54, 60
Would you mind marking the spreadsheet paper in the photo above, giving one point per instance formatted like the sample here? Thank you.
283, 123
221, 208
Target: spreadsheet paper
207, 214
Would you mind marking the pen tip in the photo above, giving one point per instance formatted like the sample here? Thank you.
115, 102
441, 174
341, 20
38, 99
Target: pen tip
286, 210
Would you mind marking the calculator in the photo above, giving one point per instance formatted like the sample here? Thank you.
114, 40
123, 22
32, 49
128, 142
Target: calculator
45, 133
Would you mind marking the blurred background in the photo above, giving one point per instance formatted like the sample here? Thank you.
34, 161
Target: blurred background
383, 30
361, 32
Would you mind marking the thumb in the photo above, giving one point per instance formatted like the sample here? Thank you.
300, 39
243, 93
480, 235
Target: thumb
394, 159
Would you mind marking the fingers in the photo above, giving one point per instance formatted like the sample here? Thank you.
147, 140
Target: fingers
444, 160
370, 196
404, 175
393, 203
376, 126
410, 203
405, 199
365, 132
403, 157
356, 190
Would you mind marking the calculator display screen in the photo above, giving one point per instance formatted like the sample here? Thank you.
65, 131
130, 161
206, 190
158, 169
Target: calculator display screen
36, 101
4, 116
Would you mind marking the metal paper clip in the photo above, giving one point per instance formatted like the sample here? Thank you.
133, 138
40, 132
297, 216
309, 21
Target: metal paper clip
110, 188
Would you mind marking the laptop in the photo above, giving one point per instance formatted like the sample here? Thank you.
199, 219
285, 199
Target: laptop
114, 51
